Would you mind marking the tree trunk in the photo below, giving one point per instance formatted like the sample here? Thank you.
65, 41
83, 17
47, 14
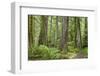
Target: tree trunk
85, 38
30, 35
50, 40
44, 30
57, 26
79, 41
33, 29
66, 33
75, 29
57, 30
64, 38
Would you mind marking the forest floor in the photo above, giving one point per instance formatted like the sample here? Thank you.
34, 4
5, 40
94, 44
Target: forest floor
45, 53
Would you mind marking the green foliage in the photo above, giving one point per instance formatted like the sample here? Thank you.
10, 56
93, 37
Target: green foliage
56, 37
43, 52
85, 51
73, 49
54, 53
71, 43
72, 52
71, 55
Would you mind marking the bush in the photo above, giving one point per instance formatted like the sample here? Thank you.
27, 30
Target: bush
85, 51
72, 49
71, 55
34, 53
71, 43
53, 53
43, 52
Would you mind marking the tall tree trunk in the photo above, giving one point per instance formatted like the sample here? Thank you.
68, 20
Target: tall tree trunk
57, 26
85, 38
57, 30
30, 35
79, 41
44, 30
50, 40
33, 29
66, 33
75, 29
62, 41
64, 38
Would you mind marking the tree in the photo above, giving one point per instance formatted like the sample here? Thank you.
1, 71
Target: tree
75, 28
30, 35
57, 26
64, 38
50, 31
44, 30
79, 41
66, 33
85, 37
57, 37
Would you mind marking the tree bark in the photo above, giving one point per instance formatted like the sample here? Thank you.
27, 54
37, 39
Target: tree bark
57, 26
75, 29
79, 41
85, 36
44, 30
64, 38
30, 35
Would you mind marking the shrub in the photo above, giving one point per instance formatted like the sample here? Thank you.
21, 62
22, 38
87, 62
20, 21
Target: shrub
71, 55
85, 51
72, 49
53, 53
43, 52
40, 52
71, 43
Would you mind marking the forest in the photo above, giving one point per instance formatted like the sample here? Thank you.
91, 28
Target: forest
57, 37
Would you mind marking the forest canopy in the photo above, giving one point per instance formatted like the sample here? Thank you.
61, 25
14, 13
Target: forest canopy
57, 37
